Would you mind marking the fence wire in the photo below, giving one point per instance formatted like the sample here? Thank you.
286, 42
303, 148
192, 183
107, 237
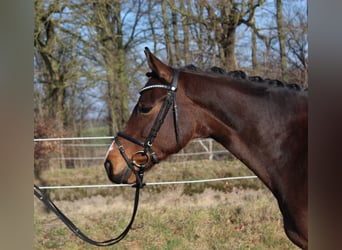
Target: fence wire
205, 144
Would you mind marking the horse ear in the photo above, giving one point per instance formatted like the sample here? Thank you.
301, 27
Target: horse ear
162, 70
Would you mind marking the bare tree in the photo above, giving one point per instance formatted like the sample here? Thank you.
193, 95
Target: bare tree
88, 54
108, 25
48, 53
297, 44
108, 21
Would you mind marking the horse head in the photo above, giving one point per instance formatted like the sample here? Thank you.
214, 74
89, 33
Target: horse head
160, 124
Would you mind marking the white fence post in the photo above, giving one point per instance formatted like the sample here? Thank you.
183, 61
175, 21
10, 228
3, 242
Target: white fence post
211, 154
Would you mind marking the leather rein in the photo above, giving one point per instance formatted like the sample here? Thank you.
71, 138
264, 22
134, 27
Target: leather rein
131, 163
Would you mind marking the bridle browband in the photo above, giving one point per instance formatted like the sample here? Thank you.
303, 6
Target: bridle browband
131, 163
147, 151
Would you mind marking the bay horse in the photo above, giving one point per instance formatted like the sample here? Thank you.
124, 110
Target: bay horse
262, 122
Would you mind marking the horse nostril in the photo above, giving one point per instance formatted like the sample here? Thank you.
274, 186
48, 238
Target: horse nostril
108, 166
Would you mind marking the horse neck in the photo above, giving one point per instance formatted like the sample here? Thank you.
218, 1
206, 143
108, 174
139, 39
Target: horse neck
246, 119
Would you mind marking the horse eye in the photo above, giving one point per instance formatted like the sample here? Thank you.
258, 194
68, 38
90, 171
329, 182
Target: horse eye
144, 110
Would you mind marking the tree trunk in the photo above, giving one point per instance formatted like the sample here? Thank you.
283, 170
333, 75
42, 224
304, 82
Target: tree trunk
225, 26
176, 41
228, 47
186, 31
253, 38
229, 25
151, 22
281, 38
49, 51
168, 43
113, 50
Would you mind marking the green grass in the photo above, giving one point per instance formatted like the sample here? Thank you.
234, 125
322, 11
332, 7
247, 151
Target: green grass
95, 131
223, 215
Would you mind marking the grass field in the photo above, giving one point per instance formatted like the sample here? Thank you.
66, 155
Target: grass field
219, 215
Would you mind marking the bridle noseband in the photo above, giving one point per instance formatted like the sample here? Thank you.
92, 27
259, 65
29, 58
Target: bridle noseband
147, 151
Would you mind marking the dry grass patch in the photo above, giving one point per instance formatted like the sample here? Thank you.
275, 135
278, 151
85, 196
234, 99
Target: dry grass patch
231, 215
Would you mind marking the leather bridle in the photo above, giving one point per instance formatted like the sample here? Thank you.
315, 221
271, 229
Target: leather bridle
146, 145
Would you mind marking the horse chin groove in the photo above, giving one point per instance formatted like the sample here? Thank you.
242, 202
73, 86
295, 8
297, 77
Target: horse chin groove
121, 178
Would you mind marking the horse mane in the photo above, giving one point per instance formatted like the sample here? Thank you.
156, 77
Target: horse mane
241, 75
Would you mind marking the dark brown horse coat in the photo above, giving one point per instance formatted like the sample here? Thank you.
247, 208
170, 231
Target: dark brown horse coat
262, 124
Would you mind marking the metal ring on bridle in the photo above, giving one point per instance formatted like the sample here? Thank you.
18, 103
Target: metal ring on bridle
140, 165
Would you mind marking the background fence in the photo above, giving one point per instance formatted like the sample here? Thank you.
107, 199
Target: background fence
85, 152
90, 151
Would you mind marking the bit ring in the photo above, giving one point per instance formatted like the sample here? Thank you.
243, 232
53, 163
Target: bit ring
140, 165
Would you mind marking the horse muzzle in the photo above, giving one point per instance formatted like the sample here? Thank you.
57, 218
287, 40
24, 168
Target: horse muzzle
128, 168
